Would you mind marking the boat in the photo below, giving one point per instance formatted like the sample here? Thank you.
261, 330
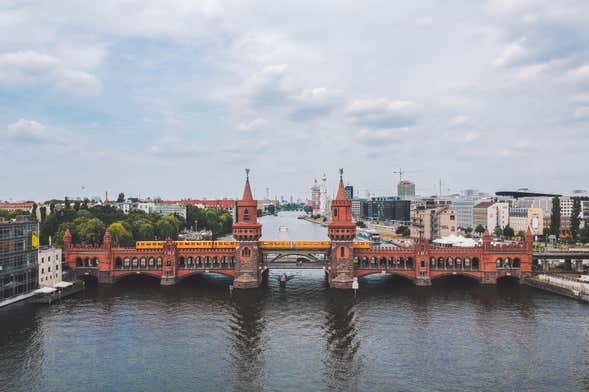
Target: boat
283, 228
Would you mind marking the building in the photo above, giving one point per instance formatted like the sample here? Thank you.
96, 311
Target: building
349, 189
50, 272
432, 223
359, 209
19, 240
464, 213
167, 209
406, 190
316, 198
485, 215
12, 207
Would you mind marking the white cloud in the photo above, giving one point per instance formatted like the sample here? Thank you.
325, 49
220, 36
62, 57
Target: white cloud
381, 137
383, 113
512, 54
581, 113
581, 74
253, 125
471, 136
27, 131
459, 120
30, 68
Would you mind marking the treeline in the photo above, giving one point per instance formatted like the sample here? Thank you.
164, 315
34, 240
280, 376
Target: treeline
88, 225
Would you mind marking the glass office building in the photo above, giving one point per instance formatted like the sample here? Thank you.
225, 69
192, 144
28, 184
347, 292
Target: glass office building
19, 242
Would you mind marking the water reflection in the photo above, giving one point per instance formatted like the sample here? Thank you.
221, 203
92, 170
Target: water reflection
342, 363
246, 326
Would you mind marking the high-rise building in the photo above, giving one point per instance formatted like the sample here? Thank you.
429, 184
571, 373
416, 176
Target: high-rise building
19, 241
349, 192
316, 198
406, 190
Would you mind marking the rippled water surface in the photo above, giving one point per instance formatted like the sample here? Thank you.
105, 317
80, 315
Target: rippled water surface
137, 335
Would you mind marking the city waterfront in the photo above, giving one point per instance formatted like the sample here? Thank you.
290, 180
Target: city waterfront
455, 335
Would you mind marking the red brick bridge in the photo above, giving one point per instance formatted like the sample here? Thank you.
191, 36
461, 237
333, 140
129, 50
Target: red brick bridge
244, 258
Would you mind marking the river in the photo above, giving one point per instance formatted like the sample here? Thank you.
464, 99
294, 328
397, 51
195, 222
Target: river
136, 335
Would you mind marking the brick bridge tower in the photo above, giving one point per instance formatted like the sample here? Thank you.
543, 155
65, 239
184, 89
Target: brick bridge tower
341, 231
247, 232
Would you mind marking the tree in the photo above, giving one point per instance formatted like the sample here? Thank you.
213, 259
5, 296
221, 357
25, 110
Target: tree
508, 232
52, 207
498, 231
34, 210
120, 235
77, 205
67, 203
584, 234
43, 213
361, 224
480, 229
91, 231
121, 198
575, 220
555, 218
403, 230
271, 209
521, 234
308, 209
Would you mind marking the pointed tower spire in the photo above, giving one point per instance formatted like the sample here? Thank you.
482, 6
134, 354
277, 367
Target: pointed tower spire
247, 191
341, 191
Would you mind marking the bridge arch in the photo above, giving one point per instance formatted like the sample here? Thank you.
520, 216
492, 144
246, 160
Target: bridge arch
309, 256
363, 273
459, 274
128, 274
227, 273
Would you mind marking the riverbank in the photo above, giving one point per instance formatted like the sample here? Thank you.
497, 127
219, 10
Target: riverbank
568, 287
318, 221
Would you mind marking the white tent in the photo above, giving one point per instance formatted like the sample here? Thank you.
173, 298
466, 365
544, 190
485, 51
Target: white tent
45, 290
455, 240
63, 285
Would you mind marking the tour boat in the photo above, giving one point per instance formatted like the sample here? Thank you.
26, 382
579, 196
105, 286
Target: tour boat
283, 228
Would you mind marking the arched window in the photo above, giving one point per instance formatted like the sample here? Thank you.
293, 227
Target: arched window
335, 212
246, 215
342, 251
246, 252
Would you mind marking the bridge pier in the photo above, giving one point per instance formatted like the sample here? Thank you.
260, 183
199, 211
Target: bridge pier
423, 281
489, 277
579, 266
168, 281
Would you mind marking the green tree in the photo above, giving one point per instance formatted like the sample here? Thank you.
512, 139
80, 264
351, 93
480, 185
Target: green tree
498, 232
271, 208
66, 203
521, 234
34, 210
121, 198
91, 231
555, 217
403, 230
480, 229
43, 213
120, 234
145, 231
77, 205
508, 232
361, 224
575, 220
584, 234
57, 238
308, 209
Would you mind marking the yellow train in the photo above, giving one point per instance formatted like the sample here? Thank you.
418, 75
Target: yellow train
362, 245
149, 244
187, 244
278, 244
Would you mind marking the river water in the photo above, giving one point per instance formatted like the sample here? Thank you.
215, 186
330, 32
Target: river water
136, 335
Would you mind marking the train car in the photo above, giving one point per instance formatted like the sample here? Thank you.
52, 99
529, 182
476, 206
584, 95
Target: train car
279, 244
312, 244
224, 244
149, 244
361, 245
194, 244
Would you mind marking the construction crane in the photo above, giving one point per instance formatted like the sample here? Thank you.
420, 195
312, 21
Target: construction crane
400, 172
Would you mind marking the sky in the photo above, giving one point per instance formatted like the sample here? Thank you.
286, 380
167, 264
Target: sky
176, 98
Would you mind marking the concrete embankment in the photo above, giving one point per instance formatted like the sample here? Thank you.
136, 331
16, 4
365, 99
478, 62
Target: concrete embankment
567, 287
318, 221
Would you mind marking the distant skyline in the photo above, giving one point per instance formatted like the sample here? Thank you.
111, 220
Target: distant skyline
176, 98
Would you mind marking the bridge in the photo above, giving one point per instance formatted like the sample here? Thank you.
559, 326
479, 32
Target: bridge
247, 259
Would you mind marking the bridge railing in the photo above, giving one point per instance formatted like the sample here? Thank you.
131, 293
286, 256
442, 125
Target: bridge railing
378, 264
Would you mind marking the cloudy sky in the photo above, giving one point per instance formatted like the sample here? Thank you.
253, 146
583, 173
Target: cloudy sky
176, 98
